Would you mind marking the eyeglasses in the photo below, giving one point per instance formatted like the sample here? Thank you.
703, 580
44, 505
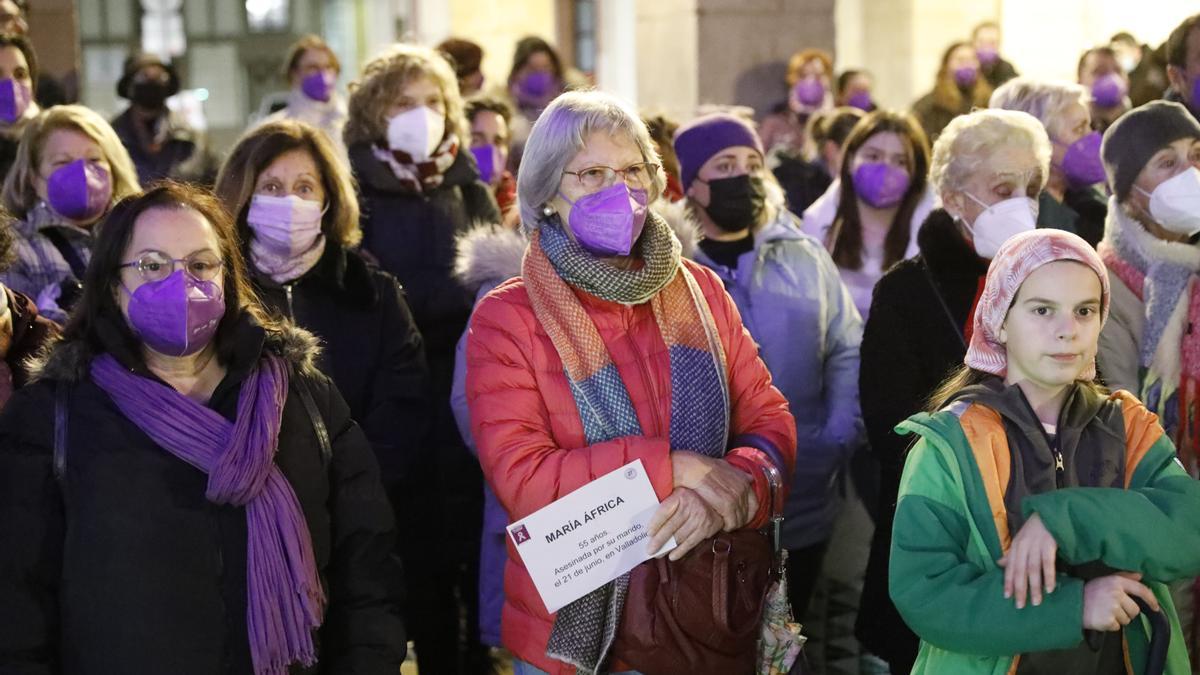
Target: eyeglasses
156, 265
640, 175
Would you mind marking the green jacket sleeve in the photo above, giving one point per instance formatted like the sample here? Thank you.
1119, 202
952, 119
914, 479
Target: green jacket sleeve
945, 591
1152, 528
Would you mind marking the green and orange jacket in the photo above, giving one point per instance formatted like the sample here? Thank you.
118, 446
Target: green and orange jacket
952, 527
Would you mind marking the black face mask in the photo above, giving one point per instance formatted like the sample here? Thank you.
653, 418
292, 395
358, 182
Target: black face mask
736, 203
148, 95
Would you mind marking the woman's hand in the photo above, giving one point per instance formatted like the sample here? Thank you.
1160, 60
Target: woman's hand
727, 489
1108, 601
685, 516
1029, 564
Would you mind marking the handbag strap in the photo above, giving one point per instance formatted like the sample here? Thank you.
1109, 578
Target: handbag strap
314, 415
937, 293
68, 252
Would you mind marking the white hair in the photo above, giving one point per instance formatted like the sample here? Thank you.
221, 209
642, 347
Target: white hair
1047, 101
559, 134
970, 140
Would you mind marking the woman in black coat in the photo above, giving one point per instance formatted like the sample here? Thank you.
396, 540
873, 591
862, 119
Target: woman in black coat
182, 472
987, 167
420, 190
296, 216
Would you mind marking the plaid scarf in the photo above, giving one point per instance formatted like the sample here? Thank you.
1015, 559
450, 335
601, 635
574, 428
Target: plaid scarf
584, 630
417, 177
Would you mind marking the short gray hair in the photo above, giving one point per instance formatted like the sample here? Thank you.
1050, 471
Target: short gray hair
1044, 100
558, 135
968, 141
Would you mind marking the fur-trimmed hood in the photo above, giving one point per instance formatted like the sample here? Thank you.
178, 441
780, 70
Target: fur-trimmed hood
70, 360
489, 254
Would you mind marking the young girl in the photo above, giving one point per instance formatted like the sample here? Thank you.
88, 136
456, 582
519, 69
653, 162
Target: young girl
1036, 507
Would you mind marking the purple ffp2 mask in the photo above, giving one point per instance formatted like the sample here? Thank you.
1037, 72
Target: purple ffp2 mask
608, 222
488, 161
15, 98
318, 86
1081, 162
966, 76
176, 316
880, 184
79, 191
809, 91
1108, 91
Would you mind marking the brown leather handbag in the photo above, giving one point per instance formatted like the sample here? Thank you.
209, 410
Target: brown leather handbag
701, 614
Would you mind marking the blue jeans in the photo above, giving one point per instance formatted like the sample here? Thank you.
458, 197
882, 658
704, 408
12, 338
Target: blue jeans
523, 668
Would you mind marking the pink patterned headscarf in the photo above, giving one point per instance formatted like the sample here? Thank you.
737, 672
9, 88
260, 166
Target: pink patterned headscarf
1013, 263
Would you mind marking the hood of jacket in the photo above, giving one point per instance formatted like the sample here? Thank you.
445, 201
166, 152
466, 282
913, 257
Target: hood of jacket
489, 254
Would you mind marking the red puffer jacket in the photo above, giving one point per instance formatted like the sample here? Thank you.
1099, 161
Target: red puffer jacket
531, 441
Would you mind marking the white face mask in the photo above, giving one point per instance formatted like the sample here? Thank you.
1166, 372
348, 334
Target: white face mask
417, 132
286, 225
1127, 63
999, 222
1175, 203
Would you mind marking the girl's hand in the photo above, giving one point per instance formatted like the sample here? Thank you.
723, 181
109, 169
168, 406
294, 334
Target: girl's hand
1029, 565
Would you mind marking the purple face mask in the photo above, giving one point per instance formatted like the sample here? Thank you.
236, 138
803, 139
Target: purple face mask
487, 158
1108, 91
1195, 94
319, 85
79, 191
861, 100
987, 55
535, 86
14, 100
880, 184
177, 316
606, 223
1081, 162
966, 76
809, 91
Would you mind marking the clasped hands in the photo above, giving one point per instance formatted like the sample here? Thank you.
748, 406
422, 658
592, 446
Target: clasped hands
710, 495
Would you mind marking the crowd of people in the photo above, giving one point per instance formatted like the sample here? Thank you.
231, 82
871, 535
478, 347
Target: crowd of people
273, 412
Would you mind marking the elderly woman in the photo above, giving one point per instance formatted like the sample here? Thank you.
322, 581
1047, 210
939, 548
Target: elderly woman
1149, 347
69, 171
797, 311
312, 74
987, 168
297, 221
1071, 200
577, 368
420, 189
184, 491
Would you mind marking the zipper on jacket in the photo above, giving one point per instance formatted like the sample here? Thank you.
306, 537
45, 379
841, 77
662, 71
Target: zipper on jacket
1059, 469
287, 289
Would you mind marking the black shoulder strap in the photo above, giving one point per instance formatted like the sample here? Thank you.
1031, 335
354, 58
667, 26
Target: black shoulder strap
314, 415
61, 392
945, 308
56, 237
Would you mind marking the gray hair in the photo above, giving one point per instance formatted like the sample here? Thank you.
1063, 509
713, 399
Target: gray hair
969, 140
1046, 101
558, 135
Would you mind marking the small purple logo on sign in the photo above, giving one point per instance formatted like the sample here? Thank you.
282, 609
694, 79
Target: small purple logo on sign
520, 535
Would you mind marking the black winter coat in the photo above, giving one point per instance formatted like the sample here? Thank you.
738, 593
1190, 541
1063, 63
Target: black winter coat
124, 566
911, 342
372, 349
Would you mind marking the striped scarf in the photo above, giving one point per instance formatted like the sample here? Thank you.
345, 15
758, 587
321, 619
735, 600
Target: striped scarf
554, 264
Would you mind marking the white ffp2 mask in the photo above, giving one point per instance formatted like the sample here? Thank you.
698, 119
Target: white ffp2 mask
1001, 221
416, 132
1175, 203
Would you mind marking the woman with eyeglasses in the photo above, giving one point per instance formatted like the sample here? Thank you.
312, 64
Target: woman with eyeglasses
794, 304
609, 348
184, 492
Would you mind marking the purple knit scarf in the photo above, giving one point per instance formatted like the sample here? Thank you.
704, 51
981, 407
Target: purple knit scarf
285, 600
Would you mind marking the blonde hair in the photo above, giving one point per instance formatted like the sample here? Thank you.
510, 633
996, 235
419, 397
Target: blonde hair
20, 195
1047, 101
560, 133
381, 82
261, 146
969, 140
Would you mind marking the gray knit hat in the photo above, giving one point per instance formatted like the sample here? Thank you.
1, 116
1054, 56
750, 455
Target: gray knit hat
1137, 135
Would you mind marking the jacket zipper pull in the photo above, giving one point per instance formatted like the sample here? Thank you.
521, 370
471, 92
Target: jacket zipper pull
291, 311
1059, 469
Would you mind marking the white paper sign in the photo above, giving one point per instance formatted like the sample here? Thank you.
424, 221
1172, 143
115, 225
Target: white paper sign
591, 536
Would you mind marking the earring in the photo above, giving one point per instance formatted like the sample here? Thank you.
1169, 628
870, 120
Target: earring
547, 210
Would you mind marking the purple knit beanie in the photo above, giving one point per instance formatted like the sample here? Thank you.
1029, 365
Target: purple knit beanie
697, 141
